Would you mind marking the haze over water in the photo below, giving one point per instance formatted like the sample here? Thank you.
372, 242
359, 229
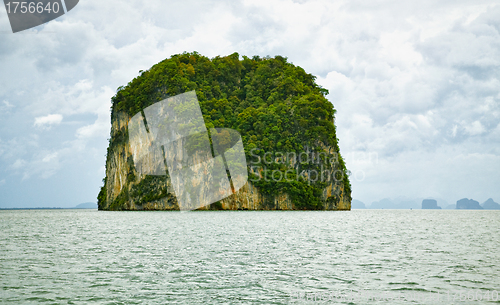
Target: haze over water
86, 256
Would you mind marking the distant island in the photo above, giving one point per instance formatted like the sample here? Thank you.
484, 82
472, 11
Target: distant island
427, 204
86, 205
430, 204
36, 208
470, 204
356, 204
490, 205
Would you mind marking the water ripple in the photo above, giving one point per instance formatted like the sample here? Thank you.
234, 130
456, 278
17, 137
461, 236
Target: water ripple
81, 257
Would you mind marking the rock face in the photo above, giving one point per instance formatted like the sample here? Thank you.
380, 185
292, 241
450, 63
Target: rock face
468, 204
430, 204
276, 107
490, 205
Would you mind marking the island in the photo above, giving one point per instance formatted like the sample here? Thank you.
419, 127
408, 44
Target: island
286, 124
430, 204
468, 204
490, 204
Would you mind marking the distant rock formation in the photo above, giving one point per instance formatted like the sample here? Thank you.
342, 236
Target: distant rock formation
86, 205
430, 204
356, 204
396, 203
490, 205
468, 204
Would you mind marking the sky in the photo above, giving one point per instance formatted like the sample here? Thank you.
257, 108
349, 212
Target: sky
416, 86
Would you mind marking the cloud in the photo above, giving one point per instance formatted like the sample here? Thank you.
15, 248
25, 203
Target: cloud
98, 129
5, 108
6, 105
42, 165
49, 120
19, 163
476, 128
2, 182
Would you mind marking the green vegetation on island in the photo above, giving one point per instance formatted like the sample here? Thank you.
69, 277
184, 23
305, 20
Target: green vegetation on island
277, 108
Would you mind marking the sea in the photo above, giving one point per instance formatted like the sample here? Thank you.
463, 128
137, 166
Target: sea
250, 257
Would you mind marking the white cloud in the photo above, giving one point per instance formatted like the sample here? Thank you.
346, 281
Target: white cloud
50, 157
49, 120
5, 108
7, 105
476, 128
42, 165
18, 164
2, 182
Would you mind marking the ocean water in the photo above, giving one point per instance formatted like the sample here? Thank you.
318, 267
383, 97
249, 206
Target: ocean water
250, 257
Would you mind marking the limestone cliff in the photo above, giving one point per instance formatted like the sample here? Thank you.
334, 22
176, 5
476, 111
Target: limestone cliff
286, 124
